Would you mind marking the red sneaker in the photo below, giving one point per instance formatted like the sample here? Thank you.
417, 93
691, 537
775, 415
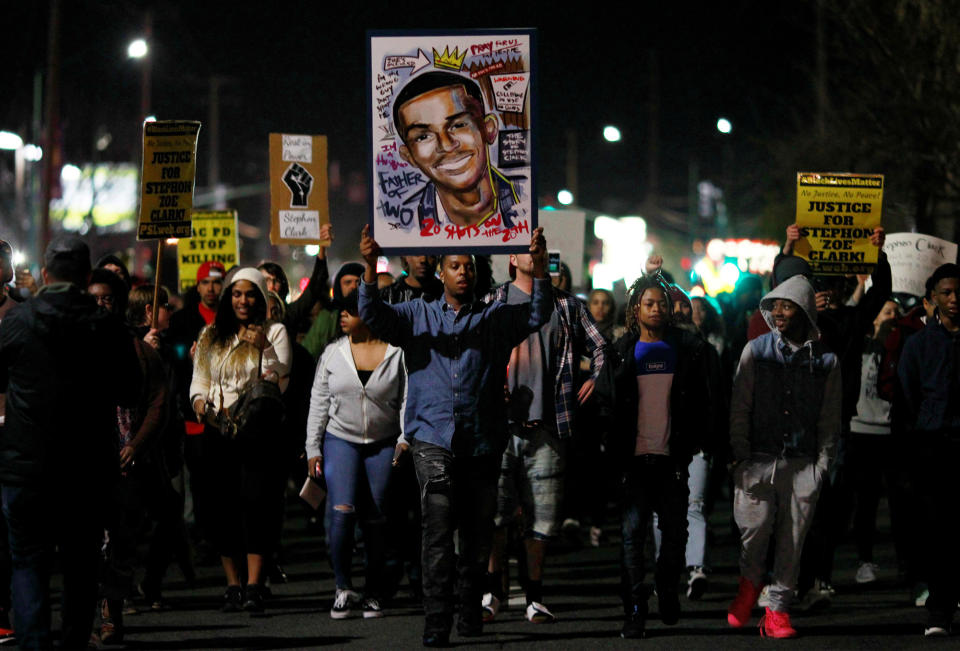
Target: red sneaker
776, 625
738, 614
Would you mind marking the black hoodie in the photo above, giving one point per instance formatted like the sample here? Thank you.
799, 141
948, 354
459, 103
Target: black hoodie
65, 365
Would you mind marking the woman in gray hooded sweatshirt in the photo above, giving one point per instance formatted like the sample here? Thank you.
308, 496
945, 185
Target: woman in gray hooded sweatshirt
784, 425
354, 423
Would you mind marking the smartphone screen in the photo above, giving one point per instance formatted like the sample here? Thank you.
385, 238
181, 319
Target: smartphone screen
553, 262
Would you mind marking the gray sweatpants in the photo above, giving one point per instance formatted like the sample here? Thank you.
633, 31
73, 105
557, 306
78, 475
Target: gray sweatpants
774, 496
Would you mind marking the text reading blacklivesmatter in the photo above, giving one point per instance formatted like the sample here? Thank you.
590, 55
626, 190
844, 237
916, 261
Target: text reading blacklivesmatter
166, 191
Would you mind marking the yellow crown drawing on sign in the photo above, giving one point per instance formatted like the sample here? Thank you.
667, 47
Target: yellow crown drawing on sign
449, 60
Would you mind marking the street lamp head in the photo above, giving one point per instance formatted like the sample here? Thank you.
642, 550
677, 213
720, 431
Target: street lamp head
10, 141
724, 125
137, 49
565, 197
611, 133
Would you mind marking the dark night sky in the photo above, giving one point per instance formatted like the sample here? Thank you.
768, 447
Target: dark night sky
300, 67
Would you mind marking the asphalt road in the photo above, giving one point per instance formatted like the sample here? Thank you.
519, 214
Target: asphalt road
580, 587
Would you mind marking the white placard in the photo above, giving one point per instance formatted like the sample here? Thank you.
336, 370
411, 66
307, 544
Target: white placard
913, 258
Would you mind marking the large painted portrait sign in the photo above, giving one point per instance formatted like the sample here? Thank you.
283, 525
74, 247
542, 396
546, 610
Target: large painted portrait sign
451, 140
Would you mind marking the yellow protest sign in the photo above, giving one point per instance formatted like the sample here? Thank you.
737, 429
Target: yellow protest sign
836, 214
298, 189
166, 183
215, 237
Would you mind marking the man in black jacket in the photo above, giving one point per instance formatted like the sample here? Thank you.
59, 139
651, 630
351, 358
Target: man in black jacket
66, 366
664, 406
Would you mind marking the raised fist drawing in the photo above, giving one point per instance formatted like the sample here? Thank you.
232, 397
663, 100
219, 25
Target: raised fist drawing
300, 182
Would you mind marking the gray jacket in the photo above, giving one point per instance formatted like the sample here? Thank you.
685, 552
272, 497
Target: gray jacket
787, 397
342, 405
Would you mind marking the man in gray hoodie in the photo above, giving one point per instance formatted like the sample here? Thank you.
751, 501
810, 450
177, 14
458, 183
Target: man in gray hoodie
784, 425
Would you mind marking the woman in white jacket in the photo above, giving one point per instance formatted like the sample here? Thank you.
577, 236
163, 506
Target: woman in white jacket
245, 477
352, 428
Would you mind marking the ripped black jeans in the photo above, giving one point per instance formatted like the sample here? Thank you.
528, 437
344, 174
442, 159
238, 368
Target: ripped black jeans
456, 493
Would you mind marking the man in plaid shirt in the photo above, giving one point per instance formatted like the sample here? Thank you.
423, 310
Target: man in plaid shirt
543, 399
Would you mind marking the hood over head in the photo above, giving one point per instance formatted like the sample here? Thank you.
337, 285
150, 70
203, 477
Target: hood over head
799, 290
348, 269
251, 274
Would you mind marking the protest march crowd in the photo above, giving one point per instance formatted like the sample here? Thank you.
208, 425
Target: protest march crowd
440, 415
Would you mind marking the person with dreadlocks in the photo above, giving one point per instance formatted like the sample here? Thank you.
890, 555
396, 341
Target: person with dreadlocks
646, 393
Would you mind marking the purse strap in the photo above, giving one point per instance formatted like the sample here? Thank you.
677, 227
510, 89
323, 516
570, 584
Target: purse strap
227, 357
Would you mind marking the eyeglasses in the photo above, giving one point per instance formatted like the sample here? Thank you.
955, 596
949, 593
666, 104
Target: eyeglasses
105, 300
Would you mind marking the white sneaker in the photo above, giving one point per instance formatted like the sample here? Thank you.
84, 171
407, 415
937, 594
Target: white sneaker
343, 604
697, 584
537, 613
867, 572
764, 599
817, 597
570, 526
936, 631
920, 595
596, 536
491, 606
372, 608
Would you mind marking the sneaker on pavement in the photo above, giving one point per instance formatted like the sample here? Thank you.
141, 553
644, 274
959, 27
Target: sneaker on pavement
537, 613
697, 584
764, 599
232, 599
776, 625
343, 603
936, 631
920, 595
818, 597
372, 608
491, 606
738, 613
596, 536
253, 598
866, 573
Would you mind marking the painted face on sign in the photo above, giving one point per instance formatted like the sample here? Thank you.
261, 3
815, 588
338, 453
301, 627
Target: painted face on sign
446, 137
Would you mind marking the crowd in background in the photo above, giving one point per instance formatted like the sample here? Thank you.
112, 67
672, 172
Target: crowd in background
442, 401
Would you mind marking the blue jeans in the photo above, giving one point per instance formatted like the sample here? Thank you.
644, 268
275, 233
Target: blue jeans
357, 476
39, 518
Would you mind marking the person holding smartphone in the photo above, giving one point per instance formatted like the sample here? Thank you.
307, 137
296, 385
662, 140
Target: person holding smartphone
352, 429
246, 475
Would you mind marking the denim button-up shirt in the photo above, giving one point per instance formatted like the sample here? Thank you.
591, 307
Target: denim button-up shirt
456, 363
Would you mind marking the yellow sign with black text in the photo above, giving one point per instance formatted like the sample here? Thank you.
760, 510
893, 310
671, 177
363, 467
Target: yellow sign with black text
215, 237
166, 183
837, 214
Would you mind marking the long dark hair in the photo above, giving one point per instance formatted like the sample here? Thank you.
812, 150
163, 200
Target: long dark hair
712, 322
225, 325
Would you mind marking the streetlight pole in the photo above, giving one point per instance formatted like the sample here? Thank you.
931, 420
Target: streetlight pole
51, 127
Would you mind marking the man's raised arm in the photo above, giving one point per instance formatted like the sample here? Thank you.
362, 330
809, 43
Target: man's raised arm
388, 322
523, 319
